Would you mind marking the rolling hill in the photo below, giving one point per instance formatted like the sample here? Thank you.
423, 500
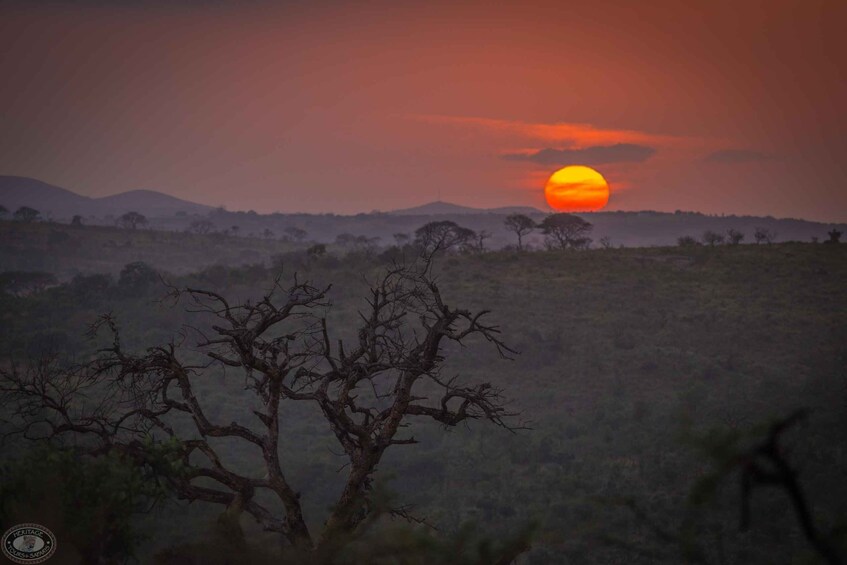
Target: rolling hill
56, 202
440, 208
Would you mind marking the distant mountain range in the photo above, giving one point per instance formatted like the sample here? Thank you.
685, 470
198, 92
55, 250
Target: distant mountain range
447, 209
60, 203
56, 202
632, 229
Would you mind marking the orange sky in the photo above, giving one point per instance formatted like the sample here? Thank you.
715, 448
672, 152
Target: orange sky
717, 106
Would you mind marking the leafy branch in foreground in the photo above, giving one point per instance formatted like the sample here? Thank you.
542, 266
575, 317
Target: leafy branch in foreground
765, 463
757, 458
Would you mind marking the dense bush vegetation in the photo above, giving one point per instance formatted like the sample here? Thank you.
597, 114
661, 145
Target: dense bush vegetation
629, 357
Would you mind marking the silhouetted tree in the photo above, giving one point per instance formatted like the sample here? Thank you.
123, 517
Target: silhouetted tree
712, 238
26, 214
201, 226
520, 225
132, 220
565, 231
76, 221
294, 233
267, 233
763, 235
370, 391
606, 242
402, 239
443, 236
687, 241
357, 242
3, 211
734, 237
834, 236
478, 244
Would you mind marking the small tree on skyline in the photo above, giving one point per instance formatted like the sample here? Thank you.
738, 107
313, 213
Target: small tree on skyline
478, 244
712, 238
201, 226
687, 241
566, 231
520, 225
445, 235
26, 214
132, 220
734, 237
763, 235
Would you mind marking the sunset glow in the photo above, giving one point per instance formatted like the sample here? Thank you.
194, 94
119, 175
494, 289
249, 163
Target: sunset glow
576, 189
309, 109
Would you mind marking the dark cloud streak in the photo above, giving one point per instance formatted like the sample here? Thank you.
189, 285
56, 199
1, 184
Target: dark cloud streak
597, 155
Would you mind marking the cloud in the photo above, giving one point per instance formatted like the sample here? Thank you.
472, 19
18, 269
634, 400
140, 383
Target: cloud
560, 133
737, 156
596, 155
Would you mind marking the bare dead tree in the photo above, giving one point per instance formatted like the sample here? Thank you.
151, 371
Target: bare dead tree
370, 391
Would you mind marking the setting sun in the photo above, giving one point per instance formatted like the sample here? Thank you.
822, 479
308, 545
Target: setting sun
576, 188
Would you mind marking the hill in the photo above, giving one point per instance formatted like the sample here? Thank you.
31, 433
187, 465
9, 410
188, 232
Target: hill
167, 213
46, 198
149, 203
60, 203
440, 208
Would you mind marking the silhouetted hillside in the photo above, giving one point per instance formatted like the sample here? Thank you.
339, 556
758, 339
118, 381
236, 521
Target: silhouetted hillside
630, 229
440, 208
46, 198
60, 203
148, 202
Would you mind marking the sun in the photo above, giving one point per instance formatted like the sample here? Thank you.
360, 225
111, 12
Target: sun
576, 189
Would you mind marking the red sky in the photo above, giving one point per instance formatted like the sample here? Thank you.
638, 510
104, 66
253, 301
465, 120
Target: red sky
735, 107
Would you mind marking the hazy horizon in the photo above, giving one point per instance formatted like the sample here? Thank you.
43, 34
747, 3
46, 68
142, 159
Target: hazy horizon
542, 208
